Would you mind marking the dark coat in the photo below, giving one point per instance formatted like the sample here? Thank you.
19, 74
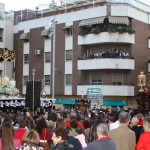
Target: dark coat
75, 142
63, 146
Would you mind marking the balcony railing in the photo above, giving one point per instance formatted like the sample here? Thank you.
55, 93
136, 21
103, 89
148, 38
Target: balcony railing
106, 37
106, 63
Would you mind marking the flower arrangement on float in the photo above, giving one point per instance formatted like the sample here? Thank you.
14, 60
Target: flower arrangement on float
7, 88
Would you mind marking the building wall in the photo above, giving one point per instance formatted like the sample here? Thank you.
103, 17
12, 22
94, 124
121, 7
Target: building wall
138, 50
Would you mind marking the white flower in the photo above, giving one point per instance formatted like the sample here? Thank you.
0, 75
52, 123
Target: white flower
8, 89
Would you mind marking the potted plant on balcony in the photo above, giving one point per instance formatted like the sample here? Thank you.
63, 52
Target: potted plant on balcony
95, 30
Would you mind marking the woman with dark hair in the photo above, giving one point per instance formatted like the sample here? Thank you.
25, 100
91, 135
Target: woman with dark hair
31, 140
60, 140
74, 125
93, 135
7, 139
30, 122
60, 122
42, 129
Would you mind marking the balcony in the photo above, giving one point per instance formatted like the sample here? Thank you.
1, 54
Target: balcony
106, 63
108, 90
106, 37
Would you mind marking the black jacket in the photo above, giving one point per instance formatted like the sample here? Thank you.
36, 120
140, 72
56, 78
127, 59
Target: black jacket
75, 142
63, 146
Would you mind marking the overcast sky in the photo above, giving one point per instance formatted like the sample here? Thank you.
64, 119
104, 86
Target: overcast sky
30, 4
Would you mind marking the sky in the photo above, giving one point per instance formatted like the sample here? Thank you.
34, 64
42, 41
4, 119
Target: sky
23, 4
31, 4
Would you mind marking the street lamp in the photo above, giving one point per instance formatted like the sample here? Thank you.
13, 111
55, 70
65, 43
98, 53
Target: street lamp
52, 36
33, 74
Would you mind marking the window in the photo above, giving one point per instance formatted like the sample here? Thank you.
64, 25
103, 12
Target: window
68, 30
68, 55
117, 78
96, 79
47, 57
47, 79
68, 79
26, 58
25, 80
31, 15
18, 19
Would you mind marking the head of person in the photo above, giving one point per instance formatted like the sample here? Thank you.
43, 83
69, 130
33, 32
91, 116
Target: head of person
79, 131
102, 130
134, 121
31, 137
60, 122
74, 123
59, 135
69, 131
124, 118
146, 123
21, 122
7, 135
40, 124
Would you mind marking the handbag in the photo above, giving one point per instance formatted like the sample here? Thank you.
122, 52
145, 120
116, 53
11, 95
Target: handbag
44, 143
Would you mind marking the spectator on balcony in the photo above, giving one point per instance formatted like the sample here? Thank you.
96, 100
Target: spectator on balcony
126, 54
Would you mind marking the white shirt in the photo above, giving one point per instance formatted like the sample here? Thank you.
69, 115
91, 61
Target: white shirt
114, 125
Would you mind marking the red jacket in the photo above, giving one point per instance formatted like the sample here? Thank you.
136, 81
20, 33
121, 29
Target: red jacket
144, 142
18, 134
45, 135
80, 125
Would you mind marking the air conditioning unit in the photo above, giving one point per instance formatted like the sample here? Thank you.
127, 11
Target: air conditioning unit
37, 52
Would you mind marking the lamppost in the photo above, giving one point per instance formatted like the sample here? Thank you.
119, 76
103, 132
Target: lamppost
52, 36
33, 74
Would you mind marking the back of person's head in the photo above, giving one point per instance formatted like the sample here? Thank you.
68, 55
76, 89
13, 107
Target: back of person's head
21, 122
31, 137
134, 121
79, 131
7, 140
60, 122
86, 124
61, 132
78, 117
73, 115
30, 122
139, 116
74, 123
124, 117
102, 129
146, 123
68, 129
40, 124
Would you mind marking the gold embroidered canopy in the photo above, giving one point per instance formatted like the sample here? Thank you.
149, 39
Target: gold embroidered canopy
6, 55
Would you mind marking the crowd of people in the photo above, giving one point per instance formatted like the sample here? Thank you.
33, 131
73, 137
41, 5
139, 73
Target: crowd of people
69, 129
114, 53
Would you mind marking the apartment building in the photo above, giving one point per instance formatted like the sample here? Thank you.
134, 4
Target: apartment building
98, 44
6, 41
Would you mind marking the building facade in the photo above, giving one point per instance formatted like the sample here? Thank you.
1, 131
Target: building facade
103, 45
6, 41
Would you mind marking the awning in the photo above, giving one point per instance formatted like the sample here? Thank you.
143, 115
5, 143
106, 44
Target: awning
118, 20
67, 27
45, 32
64, 101
91, 21
24, 36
